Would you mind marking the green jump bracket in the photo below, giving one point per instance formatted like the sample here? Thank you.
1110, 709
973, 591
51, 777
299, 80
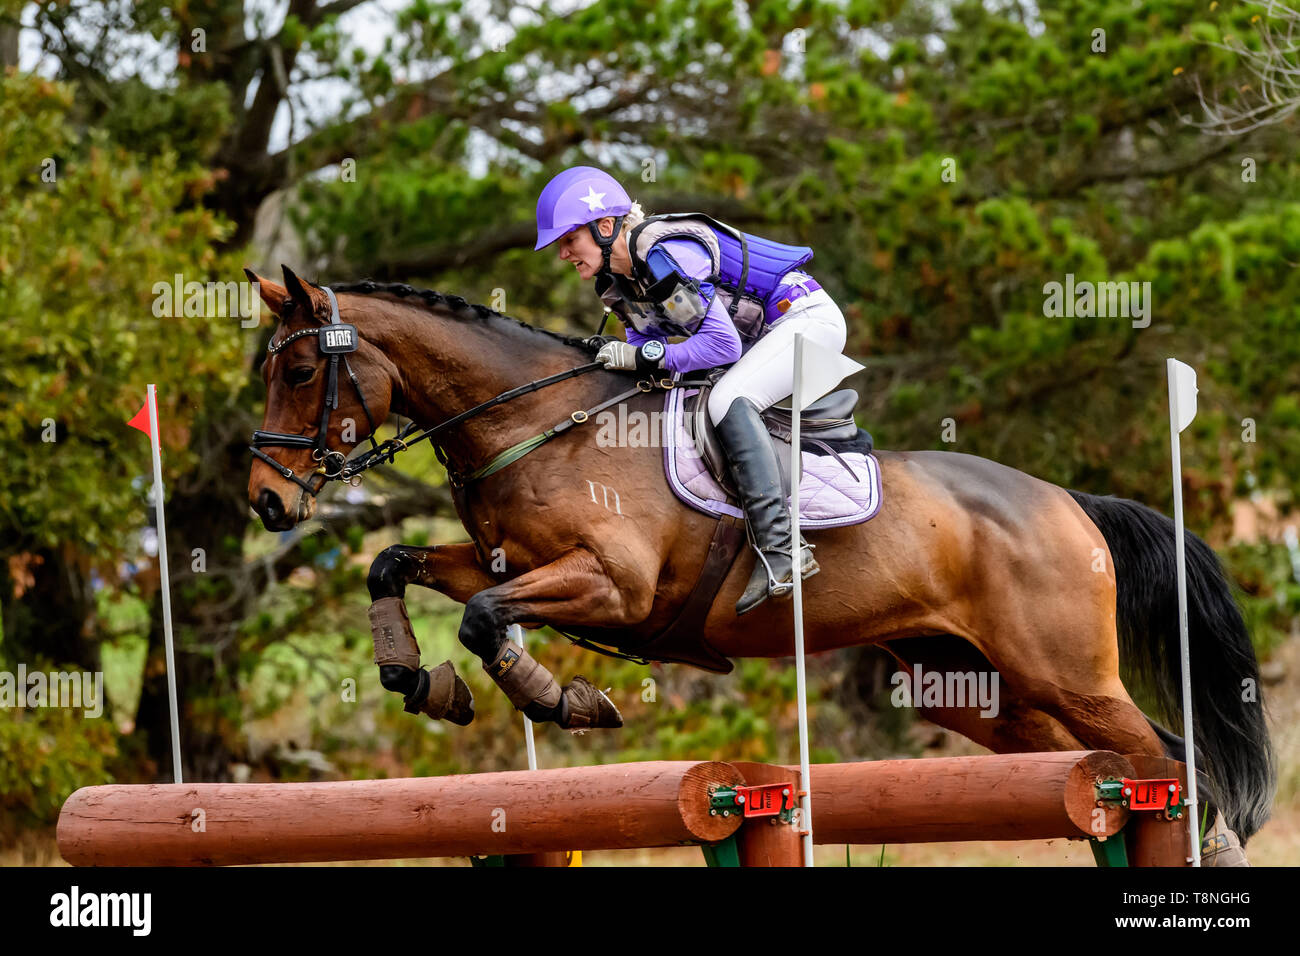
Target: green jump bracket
1109, 852
726, 853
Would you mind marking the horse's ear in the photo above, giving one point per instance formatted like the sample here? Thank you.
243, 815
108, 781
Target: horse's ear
299, 290
272, 293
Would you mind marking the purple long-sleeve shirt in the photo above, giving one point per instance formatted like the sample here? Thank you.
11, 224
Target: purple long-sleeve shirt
715, 341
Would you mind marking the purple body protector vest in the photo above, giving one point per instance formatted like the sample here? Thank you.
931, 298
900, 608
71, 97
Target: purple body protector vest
746, 270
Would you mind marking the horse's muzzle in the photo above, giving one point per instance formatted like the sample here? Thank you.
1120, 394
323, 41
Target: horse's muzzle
270, 508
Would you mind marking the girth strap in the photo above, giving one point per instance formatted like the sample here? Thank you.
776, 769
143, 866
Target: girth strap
683, 641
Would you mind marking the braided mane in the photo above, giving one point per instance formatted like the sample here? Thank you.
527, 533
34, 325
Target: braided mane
455, 305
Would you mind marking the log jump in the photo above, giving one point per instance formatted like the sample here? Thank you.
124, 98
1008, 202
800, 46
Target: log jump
1041, 796
617, 806
741, 813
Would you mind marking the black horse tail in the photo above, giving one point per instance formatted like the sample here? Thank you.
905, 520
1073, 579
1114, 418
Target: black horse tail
1232, 742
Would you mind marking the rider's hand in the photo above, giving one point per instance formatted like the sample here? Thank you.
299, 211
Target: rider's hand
617, 355
620, 355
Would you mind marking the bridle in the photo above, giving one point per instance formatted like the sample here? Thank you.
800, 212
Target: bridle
336, 339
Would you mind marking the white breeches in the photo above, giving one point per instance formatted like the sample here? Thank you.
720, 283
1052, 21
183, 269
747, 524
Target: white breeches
765, 374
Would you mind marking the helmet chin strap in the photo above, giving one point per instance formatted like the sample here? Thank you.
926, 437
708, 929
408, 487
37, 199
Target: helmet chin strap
606, 243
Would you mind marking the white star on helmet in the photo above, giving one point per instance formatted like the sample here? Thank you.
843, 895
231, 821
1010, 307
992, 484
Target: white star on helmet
593, 199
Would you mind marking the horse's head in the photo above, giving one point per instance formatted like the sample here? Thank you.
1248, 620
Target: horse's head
305, 435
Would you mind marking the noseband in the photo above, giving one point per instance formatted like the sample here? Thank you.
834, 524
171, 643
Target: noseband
335, 339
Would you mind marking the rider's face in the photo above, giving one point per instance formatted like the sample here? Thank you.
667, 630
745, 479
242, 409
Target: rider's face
578, 248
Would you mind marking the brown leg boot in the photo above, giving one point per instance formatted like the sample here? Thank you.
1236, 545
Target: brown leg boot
439, 693
449, 697
532, 689
524, 681
1221, 847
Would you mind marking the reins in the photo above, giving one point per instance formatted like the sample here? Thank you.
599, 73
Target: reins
578, 417
387, 450
335, 340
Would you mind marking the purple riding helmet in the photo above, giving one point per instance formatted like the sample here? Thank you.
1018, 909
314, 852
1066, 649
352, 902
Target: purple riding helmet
581, 195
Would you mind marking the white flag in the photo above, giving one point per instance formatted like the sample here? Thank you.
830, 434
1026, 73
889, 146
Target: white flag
1182, 392
822, 371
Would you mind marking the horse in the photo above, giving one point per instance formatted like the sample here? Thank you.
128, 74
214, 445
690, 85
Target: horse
968, 566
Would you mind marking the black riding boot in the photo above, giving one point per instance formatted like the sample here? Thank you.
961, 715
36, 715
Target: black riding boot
758, 480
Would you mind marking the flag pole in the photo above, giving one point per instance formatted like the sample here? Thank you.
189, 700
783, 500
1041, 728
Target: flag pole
1176, 425
166, 581
516, 634
829, 368
801, 680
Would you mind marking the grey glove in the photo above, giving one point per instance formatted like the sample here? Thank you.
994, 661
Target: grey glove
621, 355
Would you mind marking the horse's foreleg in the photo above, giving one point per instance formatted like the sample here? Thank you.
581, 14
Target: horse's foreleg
573, 590
452, 569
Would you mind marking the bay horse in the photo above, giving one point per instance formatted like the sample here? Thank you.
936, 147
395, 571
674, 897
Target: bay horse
969, 565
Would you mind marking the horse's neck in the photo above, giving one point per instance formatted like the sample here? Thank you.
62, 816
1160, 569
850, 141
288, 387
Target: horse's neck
463, 365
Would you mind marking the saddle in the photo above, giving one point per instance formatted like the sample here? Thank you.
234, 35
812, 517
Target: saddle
826, 427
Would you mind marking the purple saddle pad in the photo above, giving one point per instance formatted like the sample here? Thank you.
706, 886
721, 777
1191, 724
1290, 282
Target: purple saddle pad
829, 496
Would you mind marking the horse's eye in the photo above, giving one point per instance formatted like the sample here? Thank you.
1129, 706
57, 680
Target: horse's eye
300, 374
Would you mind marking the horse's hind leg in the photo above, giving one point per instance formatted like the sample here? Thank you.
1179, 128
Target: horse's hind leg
574, 590
1104, 717
1221, 846
1011, 726
1046, 621
1060, 654
1076, 681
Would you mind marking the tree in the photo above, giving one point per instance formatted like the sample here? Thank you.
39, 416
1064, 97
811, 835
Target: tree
80, 340
1268, 75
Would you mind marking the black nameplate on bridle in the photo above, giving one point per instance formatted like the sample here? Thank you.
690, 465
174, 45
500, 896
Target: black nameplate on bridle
338, 338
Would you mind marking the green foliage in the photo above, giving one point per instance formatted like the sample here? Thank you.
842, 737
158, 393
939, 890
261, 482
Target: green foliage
46, 754
188, 122
79, 257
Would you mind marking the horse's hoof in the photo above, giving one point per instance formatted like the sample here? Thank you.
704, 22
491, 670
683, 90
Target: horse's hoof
461, 711
449, 697
584, 707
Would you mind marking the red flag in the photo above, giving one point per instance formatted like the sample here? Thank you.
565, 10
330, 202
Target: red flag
141, 420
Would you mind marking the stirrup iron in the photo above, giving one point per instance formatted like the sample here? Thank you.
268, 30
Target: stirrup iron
775, 588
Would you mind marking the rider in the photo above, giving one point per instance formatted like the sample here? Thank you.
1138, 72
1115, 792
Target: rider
736, 298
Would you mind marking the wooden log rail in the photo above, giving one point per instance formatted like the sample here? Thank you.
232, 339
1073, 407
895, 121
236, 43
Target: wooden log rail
1038, 796
617, 806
